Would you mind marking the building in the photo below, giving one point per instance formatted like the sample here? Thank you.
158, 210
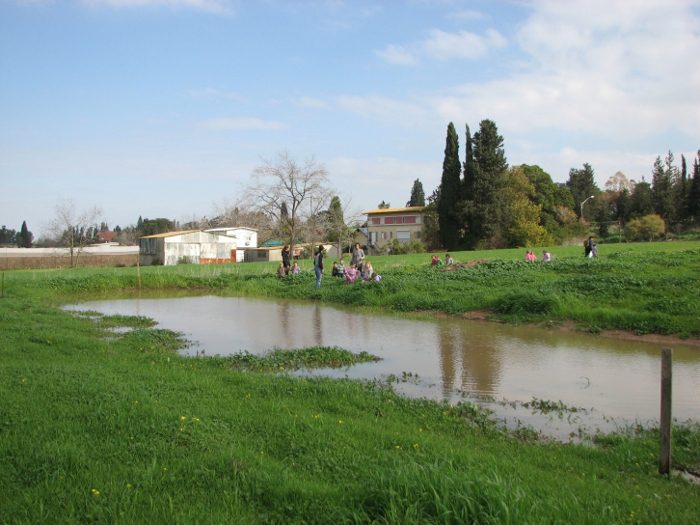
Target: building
246, 238
192, 247
387, 224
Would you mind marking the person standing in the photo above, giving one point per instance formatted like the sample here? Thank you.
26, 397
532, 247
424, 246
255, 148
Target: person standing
358, 256
318, 265
286, 259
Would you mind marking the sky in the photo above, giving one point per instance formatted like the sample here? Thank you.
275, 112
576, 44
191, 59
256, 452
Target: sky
163, 108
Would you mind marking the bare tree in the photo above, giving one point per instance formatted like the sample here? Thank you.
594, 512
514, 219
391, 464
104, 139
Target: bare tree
282, 184
75, 228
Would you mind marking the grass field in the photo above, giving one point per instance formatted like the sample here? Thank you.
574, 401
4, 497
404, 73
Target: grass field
104, 426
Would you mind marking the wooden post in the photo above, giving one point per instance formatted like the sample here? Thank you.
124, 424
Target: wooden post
138, 269
665, 419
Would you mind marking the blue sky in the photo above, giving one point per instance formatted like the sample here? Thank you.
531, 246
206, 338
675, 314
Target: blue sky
163, 108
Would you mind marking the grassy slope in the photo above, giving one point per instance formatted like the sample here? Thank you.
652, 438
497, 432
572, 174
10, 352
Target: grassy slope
104, 428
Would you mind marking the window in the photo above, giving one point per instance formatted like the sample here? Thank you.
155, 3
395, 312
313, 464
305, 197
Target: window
389, 220
411, 219
403, 236
376, 220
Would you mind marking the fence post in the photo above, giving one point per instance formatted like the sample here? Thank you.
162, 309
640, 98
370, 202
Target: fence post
665, 418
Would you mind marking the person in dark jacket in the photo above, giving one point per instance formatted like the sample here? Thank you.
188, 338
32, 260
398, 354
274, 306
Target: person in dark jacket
318, 265
286, 259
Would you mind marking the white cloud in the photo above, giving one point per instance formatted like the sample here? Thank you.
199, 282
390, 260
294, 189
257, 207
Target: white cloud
384, 109
462, 45
601, 68
242, 123
467, 15
210, 6
443, 46
397, 55
214, 93
311, 102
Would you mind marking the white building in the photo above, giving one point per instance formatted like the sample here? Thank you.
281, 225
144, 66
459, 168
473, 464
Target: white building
246, 238
193, 247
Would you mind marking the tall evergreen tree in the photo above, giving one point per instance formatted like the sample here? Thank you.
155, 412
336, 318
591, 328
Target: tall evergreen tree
483, 209
417, 194
25, 237
694, 192
469, 167
681, 192
662, 188
582, 185
642, 202
449, 191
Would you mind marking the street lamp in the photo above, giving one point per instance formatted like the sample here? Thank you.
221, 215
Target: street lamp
584, 202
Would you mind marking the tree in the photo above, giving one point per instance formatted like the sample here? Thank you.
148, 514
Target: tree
25, 237
156, 226
7, 236
75, 228
449, 191
619, 182
521, 216
645, 228
383, 205
469, 167
582, 185
483, 209
663, 178
417, 194
694, 191
335, 225
550, 197
431, 228
641, 200
283, 182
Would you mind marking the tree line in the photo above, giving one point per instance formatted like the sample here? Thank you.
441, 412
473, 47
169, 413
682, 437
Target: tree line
481, 202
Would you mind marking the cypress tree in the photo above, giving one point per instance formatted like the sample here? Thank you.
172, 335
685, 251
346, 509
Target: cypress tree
484, 205
417, 194
662, 188
694, 192
25, 236
450, 191
468, 182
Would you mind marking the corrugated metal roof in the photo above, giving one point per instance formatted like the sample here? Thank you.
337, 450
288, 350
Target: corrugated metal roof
416, 209
169, 234
230, 228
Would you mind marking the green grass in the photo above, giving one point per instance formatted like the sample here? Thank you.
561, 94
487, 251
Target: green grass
108, 426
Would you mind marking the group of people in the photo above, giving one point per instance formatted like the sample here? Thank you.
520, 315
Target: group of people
285, 268
359, 268
530, 256
436, 261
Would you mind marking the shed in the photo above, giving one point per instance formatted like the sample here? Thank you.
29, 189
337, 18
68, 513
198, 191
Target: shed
193, 246
263, 254
245, 238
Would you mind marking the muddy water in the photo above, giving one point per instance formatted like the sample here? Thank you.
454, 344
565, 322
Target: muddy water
501, 366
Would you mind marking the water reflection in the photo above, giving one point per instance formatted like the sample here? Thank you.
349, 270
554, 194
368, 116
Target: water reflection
618, 379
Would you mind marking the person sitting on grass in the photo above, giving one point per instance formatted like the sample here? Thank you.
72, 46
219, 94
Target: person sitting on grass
295, 268
367, 271
281, 271
351, 274
338, 269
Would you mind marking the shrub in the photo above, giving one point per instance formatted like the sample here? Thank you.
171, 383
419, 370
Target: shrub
645, 228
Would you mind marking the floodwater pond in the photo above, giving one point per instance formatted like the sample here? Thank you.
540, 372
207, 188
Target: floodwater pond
603, 383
